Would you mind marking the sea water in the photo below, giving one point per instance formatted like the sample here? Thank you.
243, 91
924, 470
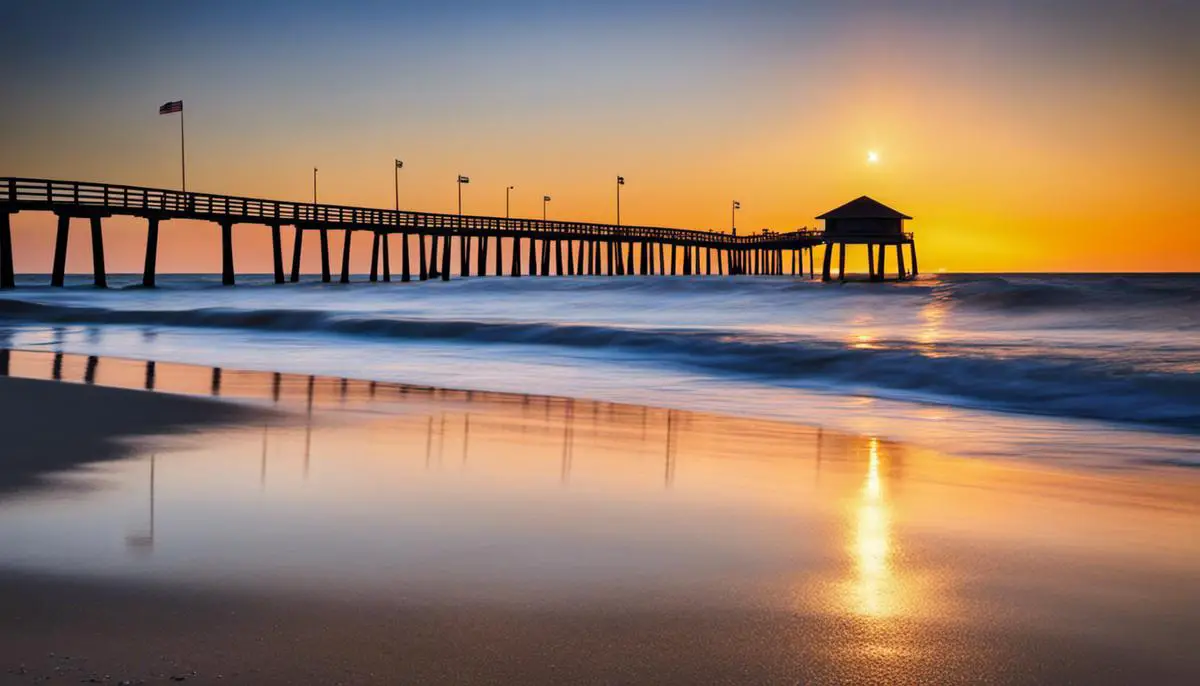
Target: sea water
1098, 369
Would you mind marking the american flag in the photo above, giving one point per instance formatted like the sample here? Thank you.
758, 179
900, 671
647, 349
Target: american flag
620, 180
463, 179
171, 107
545, 198
737, 205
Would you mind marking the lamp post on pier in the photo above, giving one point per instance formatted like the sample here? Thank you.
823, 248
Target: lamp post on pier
314, 187
461, 180
545, 199
620, 182
506, 192
733, 216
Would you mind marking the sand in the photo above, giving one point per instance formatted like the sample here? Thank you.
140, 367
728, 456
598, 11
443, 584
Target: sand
50, 427
864, 561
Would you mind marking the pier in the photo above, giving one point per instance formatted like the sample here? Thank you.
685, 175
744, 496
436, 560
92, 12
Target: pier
535, 247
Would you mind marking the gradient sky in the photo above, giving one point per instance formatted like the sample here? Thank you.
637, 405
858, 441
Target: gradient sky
1023, 135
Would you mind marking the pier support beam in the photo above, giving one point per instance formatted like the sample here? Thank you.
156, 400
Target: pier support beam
405, 269
150, 267
57, 275
325, 276
481, 258
545, 269
514, 268
900, 261
558, 257
7, 278
375, 237
882, 262
464, 255
871, 262
499, 255
533, 265
422, 268
99, 275
446, 259
297, 249
347, 234
387, 261
912, 250
570, 257
812, 273
227, 253
434, 262
841, 262
277, 250
828, 259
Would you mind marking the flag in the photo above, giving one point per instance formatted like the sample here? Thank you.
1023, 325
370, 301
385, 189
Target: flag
737, 205
545, 198
463, 179
620, 180
399, 164
171, 107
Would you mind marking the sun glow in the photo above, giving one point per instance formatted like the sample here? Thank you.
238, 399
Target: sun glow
872, 157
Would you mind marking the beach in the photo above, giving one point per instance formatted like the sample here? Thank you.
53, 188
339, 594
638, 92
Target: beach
219, 525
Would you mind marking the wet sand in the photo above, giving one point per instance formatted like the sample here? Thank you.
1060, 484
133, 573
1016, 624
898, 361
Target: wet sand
377, 534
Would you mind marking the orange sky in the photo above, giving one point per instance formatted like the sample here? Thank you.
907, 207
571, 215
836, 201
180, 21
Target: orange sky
1020, 141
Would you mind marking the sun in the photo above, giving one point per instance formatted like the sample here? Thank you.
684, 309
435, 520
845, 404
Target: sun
872, 157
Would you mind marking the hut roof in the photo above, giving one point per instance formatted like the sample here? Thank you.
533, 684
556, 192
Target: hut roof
863, 208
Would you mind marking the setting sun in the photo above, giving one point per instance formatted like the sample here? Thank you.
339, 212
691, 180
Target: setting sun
872, 157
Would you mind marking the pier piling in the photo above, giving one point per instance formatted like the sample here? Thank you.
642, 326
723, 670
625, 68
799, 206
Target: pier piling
227, 253
61, 238
150, 268
99, 275
7, 278
277, 253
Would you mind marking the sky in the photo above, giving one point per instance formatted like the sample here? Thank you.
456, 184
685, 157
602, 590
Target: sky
1021, 135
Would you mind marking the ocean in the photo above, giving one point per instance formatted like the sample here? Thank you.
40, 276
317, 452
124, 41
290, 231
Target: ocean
1094, 370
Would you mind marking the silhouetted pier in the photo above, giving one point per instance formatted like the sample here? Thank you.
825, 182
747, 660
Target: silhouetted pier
535, 247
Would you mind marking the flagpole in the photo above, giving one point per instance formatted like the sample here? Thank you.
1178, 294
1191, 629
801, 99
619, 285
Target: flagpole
618, 201
182, 150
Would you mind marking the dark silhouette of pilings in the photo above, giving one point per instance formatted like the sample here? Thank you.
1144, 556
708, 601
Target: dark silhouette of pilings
7, 275
150, 268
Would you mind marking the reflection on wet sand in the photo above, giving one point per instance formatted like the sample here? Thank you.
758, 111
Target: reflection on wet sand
396, 492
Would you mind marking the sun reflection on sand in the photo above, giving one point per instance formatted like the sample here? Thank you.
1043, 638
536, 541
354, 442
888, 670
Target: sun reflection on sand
873, 587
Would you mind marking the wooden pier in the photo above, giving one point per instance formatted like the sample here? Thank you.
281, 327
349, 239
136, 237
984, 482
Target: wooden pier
536, 247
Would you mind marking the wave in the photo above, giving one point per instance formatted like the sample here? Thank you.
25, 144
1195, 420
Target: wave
1176, 296
1060, 386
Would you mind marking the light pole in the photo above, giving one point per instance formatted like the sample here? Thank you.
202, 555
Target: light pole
461, 180
506, 192
733, 216
620, 182
545, 199
396, 175
314, 185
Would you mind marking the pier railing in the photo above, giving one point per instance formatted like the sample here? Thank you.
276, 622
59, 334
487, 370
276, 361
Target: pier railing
76, 196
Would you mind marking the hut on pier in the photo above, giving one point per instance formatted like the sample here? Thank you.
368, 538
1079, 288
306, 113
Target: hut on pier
866, 221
